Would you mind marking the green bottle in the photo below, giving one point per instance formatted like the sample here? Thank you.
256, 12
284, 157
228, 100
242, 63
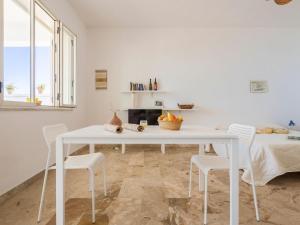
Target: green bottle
150, 85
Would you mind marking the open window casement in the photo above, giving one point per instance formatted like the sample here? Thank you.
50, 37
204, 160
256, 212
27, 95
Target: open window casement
16, 53
1, 53
68, 68
45, 42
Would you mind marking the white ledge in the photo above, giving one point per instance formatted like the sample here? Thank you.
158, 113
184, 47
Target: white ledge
35, 108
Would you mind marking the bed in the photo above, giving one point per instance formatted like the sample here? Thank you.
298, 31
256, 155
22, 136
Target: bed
272, 155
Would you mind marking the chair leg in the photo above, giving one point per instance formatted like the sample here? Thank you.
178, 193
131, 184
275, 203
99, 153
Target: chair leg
43, 195
92, 177
190, 181
254, 195
201, 180
104, 177
90, 182
205, 198
123, 148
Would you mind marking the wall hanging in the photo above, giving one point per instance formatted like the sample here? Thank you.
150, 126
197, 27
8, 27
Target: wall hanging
101, 79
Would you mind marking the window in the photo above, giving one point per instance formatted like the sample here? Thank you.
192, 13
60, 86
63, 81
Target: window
39, 55
44, 56
16, 49
68, 67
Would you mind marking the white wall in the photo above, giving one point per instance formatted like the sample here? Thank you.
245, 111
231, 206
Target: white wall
209, 67
22, 150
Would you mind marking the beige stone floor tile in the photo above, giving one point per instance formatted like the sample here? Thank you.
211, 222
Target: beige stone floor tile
124, 211
136, 159
146, 187
132, 188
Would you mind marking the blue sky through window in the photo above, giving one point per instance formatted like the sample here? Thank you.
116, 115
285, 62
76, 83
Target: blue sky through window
17, 71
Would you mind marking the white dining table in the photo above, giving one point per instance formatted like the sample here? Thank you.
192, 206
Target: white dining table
152, 135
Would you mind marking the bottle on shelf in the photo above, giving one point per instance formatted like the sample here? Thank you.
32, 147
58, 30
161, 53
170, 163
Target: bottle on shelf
155, 85
150, 85
131, 86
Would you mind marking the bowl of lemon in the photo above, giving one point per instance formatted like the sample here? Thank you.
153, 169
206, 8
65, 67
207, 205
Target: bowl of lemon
170, 122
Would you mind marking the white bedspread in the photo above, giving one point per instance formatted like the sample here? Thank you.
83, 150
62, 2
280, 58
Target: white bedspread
272, 155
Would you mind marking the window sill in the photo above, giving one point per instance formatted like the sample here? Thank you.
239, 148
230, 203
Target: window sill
35, 108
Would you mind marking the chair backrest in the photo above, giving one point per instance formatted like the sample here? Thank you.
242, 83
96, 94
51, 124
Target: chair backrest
246, 136
51, 132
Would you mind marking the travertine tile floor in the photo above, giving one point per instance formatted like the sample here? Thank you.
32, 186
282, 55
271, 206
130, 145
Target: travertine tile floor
148, 188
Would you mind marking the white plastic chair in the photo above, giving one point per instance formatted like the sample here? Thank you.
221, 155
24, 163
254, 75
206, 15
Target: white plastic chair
204, 163
72, 162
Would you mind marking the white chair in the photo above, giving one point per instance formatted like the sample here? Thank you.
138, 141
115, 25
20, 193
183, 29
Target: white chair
204, 163
72, 162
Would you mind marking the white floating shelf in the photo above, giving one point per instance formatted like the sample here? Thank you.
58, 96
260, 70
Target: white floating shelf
177, 109
143, 92
163, 109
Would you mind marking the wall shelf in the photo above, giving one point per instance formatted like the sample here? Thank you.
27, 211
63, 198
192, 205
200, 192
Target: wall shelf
143, 92
151, 92
177, 109
135, 95
163, 109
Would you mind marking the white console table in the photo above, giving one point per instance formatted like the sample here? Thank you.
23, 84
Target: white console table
188, 135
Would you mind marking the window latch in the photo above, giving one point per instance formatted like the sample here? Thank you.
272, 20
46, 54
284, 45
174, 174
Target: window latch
1, 86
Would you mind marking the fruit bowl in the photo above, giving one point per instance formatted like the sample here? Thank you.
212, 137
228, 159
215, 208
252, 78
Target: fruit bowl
170, 125
170, 121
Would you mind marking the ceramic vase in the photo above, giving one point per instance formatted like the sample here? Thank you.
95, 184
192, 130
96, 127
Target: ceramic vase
116, 120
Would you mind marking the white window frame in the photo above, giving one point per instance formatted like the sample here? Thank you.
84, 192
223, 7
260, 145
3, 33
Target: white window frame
57, 60
61, 103
1, 52
2, 101
56, 53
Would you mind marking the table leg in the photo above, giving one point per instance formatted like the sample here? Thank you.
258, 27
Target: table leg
201, 175
163, 148
234, 182
123, 148
207, 148
60, 192
92, 148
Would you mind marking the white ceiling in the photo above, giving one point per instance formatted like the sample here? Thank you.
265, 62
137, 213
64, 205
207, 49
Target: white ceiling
187, 13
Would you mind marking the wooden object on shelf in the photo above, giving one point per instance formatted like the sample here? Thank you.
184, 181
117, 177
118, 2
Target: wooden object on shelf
185, 106
282, 2
170, 125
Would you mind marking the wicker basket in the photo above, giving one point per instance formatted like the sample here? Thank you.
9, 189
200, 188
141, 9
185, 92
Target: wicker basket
185, 106
282, 2
170, 125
